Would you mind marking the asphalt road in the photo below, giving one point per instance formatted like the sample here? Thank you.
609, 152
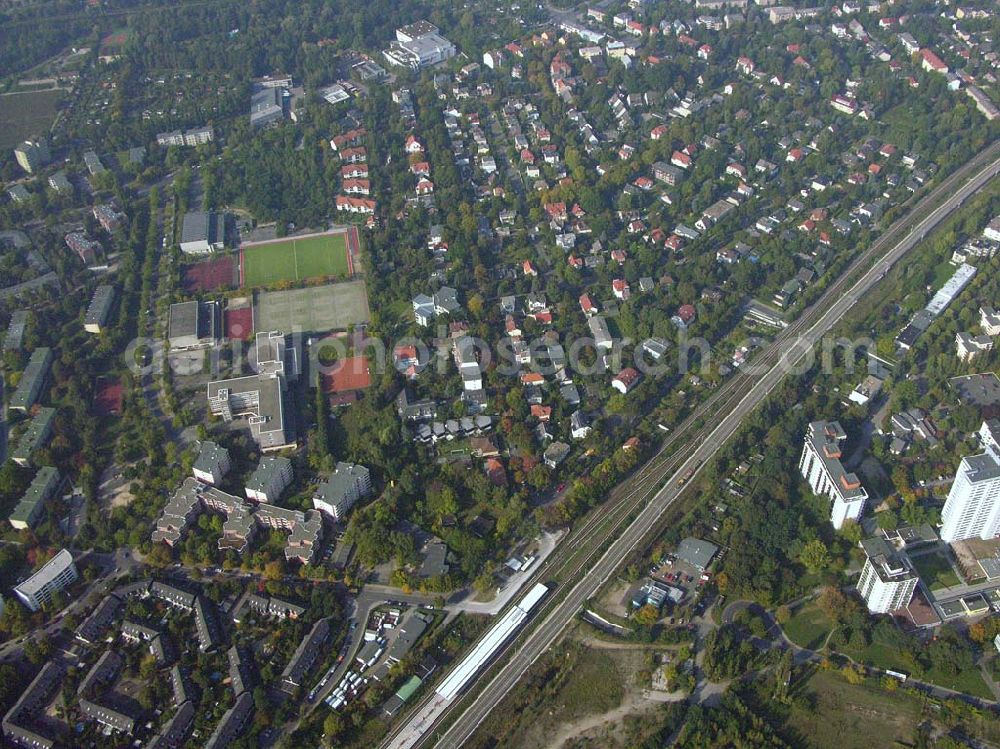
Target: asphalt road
789, 347
370, 597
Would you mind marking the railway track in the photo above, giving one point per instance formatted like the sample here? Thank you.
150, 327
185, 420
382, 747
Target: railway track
608, 534
651, 475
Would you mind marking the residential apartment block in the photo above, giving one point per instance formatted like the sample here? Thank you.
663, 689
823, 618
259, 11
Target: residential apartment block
243, 519
821, 466
271, 477
32, 380
212, 463
888, 579
972, 509
99, 309
348, 483
55, 575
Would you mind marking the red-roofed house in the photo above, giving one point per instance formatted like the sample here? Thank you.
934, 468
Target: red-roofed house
556, 211
625, 380
620, 289
354, 171
587, 305
529, 268
931, 62
542, 413
495, 472
677, 158
413, 145
357, 186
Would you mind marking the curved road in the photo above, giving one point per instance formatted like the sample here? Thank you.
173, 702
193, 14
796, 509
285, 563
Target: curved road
789, 348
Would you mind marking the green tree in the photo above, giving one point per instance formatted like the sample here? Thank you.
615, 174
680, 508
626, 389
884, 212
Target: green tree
815, 556
648, 615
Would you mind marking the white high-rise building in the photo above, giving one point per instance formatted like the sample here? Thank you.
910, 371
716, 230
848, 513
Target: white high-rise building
973, 506
820, 465
887, 580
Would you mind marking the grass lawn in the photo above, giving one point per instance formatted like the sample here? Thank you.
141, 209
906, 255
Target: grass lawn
884, 657
808, 627
26, 115
935, 570
851, 717
295, 260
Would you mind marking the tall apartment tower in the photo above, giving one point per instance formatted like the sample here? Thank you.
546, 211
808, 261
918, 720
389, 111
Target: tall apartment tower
887, 580
973, 506
820, 465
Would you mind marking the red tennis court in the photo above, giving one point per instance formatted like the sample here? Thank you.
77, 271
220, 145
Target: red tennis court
239, 323
211, 275
345, 376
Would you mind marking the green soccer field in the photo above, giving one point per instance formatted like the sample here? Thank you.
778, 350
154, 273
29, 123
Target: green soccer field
295, 260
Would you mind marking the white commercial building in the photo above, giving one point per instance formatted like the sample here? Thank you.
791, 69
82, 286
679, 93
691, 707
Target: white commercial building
887, 580
419, 45
260, 397
972, 509
56, 574
821, 467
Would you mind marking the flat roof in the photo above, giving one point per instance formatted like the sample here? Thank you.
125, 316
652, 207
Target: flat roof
696, 552
824, 438
983, 467
978, 389
49, 572
182, 319
484, 649
200, 226
411, 631
952, 288
409, 688
261, 398
889, 564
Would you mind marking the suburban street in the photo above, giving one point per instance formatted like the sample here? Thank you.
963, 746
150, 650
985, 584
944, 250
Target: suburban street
726, 411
